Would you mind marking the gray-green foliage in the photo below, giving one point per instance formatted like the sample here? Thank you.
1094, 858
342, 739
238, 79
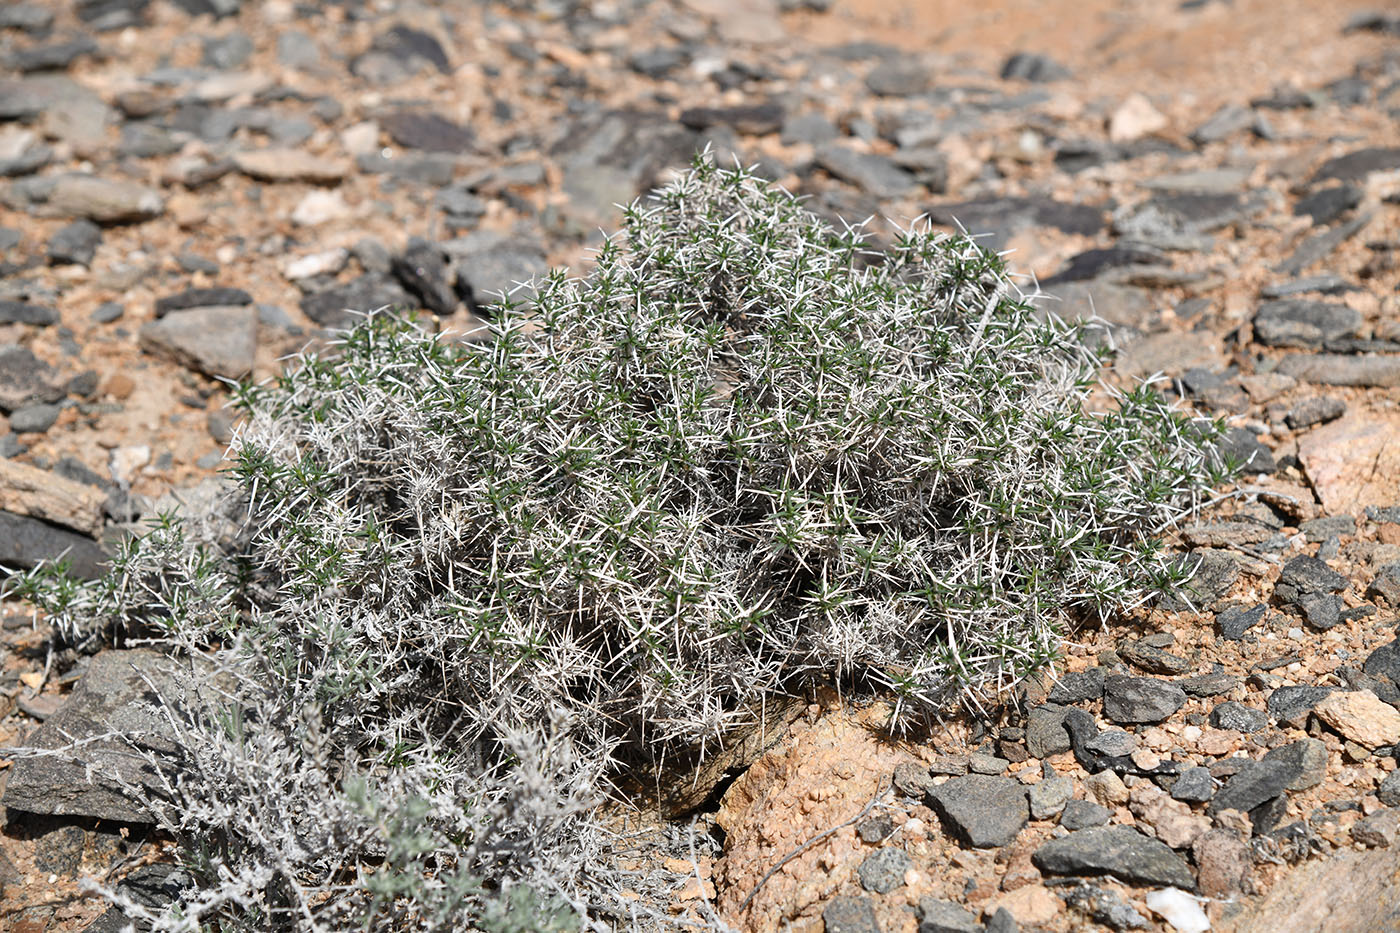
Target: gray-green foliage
741, 454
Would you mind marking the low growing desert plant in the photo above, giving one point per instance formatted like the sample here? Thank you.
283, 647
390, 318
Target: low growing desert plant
743, 453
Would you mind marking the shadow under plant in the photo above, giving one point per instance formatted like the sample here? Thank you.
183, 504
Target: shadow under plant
471, 584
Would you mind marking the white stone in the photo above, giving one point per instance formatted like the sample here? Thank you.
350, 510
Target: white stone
1181, 911
319, 207
361, 139
1134, 119
125, 461
327, 262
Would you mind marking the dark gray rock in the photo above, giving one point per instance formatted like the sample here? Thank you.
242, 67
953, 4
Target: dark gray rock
227, 52
1214, 572
1045, 731
927, 164
76, 243
655, 63
343, 305
432, 169
1317, 409
1318, 247
875, 174
1153, 659
25, 379
1306, 761
1182, 221
489, 265
20, 312
612, 157
883, 870
1389, 790
1140, 699
1083, 814
398, 53
1237, 620
1244, 447
1237, 716
1035, 67
1003, 218
1049, 796
1079, 687
427, 132
1093, 263
937, 916
850, 915
1224, 123
424, 270
202, 298
900, 76
1117, 850
1303, 575
26, 542
1357, 166
1256, 783
1326, 284
1208, 685
34, 419
811, 128
219, 9
1105, 907
28, 17
1194, 785
911, 779
983, 811
1321, 611
106, 15
1386, 585
1291, 705
220, 341
1335, 369
1383, 664
1304, 324
53, 56
148, 141
1327, 204
750, 120
1112, 742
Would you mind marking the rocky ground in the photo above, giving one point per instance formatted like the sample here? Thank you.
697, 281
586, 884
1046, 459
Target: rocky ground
192, 189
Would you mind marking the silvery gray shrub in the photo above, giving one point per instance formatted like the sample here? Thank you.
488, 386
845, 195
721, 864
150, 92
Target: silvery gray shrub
743, 454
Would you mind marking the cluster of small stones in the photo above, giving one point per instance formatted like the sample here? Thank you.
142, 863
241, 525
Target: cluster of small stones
191, 188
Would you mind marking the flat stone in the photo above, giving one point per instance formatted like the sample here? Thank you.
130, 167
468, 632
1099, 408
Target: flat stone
75, 243
1078, 687
1304, 324
1306, 759
1328, 204
1256, 783
1343, 370
1140, 699
34, 418
1224, 863
25, 542
1152, 659
883, 870
1326, 284
1318, 247
217, 341
874, 174
1170, 354
750, 120
424, 270
1237, 716
1315, 410
20, 312
1003, 218
850, 915
1194, 785
983, 811
1355, 460
428, 132
937, 916
343, 305
1202, 181
202, 298
901, 76
1045, 731
1304, 574
1224, 123
1092, 263
1237, 620
1049, 796
1083, 814
112, 697
1117, 850
1360, 716
1291, 705
104, 200
291, 165
1113, 742
1359, 165
1208, 685
25, 379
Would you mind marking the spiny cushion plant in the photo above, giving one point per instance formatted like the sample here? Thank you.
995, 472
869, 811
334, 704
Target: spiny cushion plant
743, 453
